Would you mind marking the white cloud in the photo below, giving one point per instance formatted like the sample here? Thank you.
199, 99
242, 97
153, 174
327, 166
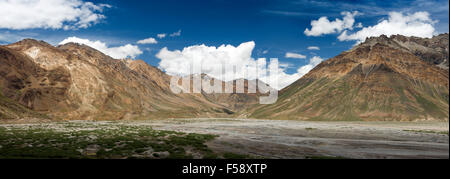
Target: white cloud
418, 24
114, 52
209, 60
313, 62
265, 52
294, 55
359, 25
150, 40
179, 62
324, 26
176, 34
161, 36
313, 48
49, 14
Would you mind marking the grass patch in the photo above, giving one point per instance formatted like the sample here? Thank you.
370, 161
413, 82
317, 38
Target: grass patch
98, 141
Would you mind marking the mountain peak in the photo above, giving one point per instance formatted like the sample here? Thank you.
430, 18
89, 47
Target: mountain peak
32, 41
42, 53
74, 45
382, 40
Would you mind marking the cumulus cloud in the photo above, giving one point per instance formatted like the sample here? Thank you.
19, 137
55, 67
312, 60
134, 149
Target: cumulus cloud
179, 62
418, 24
324, 26
150, 40
209, 60
120, 52
161, 36
176, 34
294, 55
313, 48
49, 14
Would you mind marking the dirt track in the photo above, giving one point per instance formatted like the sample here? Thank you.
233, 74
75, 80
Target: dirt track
300, 139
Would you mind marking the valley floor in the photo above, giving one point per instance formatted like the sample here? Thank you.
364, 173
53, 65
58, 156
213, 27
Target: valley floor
225, 138
302, 139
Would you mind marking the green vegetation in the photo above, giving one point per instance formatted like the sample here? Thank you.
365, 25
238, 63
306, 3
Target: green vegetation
429, 106
106, 140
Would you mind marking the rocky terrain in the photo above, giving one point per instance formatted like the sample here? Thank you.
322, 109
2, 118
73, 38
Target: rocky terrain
27, 88
434, 50
384, 79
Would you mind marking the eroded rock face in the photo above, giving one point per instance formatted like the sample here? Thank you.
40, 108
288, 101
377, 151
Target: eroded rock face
85, 85
434, 51
431, 50
30, 85
380, 79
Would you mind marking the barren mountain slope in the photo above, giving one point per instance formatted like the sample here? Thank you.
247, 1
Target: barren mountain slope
377, 80
24, 86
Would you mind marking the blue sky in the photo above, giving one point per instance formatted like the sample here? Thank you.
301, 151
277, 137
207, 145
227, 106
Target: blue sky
275, 26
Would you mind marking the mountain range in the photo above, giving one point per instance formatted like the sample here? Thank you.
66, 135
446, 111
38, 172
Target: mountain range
74, 81
385, 78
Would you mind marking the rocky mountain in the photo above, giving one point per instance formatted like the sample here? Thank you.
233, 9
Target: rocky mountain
75, 81
431, 50
385, 78
25, 86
